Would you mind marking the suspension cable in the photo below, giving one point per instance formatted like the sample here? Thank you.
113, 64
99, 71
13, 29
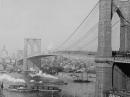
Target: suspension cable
84, 36
90, 42
74, 32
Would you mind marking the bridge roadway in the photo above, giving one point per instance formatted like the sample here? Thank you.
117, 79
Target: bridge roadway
82, 57
79, 56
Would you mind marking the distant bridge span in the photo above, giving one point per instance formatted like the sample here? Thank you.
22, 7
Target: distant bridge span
36, 60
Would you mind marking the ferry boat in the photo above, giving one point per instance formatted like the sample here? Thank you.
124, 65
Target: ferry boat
35, 88
46, 88
18, 88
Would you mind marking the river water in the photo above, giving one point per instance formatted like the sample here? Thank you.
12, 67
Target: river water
30, 94
70, 90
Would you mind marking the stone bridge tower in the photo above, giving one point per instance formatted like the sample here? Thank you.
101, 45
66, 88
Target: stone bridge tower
31, 47
104, 54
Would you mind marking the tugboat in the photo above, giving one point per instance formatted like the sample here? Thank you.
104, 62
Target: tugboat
36, 88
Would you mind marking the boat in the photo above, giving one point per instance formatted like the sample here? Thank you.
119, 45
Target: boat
35, 88
18, 88
45, 88
49, 88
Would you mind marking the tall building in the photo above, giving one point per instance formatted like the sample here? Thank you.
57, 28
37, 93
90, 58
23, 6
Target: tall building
4, 53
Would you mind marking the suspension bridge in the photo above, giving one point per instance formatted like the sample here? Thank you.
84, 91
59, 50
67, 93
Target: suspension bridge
105, 31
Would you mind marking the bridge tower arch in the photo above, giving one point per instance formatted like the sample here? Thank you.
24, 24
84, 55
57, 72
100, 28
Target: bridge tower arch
104, 52
31, 47
106, 10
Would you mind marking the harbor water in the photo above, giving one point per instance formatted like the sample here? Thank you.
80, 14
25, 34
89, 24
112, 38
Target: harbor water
72, 89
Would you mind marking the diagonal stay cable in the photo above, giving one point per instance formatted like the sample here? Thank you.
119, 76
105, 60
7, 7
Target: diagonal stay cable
91, 33
88, 43
84, 36
74, 32
91, 41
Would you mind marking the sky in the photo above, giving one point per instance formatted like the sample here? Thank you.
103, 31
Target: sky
51, 20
